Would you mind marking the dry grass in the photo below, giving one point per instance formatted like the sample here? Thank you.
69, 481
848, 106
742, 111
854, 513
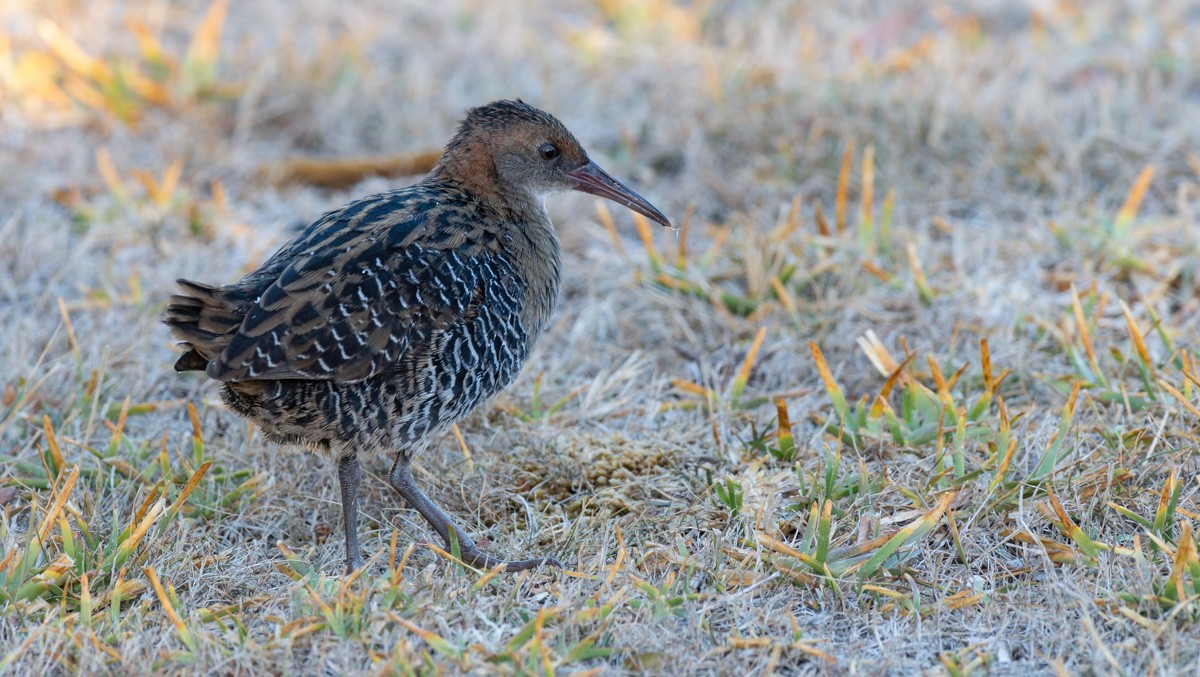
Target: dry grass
914, 387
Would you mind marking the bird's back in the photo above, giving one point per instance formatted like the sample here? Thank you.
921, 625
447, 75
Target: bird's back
398, 312
319, 272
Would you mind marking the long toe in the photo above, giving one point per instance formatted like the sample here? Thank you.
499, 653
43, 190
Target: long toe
521, 565
481, 560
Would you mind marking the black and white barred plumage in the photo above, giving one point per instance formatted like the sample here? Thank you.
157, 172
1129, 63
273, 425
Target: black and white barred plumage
379, 326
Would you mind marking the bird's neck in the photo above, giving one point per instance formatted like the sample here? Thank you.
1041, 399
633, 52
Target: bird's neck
539, 261
536, 254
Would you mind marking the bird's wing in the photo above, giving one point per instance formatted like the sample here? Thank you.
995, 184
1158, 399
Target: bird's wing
345, 314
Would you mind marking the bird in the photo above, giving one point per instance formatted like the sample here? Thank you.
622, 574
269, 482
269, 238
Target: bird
386, 321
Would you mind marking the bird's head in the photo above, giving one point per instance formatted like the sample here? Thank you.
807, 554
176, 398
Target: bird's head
513, 149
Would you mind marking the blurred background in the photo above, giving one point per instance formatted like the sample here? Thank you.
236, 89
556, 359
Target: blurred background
722, 105
976, 182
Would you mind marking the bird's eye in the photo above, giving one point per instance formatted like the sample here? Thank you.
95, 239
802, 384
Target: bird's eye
548, 151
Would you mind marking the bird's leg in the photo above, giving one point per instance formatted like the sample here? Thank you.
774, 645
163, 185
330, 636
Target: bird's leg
401, 480
349, 473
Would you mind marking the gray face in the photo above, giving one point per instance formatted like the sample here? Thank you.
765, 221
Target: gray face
539, 160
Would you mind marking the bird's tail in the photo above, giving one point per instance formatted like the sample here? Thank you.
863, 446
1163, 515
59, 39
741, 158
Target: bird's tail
204, 319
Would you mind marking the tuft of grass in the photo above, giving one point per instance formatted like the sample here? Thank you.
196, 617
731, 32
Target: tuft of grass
62, 76
160, 204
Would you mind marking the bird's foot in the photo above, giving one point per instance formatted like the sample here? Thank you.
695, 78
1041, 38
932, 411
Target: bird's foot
481, 560
456, 540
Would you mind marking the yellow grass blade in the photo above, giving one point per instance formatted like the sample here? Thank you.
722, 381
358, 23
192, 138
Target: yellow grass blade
347, 171
877, 353
149, 183
112, 180
720, 235
1002, 469
963, 599
1189, 369
1133, 201
432, 639
914, 263
85, 601
985, 363
939, 379
917, 528
881, 399
1082, 327
118, 429
950, 382
691, 388
1163, 513
71, 54
66, 318
539, 641
884, 236
169, 183
148, 44
831, 386
1185, 557
879, 273
155, 491
462, 445
682, 235
843, 187
125, 550
793, 220
606, 220
1071, 529
1051, 456
187, 490
1179, 396
785, 440
743, 373
146, 88
56, 507
169, 608
220, 199
85, 92
206, 41
616, 565
868, 188
484, 579
643, 229
52, 443
819, 217
35, 75
785, 297
1138, 343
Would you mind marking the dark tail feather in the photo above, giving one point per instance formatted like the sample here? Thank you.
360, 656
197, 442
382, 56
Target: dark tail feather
199, 290
191, 361
203, 321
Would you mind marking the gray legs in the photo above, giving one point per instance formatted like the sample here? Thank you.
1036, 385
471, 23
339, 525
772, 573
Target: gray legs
401, 480
348, 476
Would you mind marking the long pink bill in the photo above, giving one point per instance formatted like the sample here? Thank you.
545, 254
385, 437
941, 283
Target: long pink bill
591, 179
